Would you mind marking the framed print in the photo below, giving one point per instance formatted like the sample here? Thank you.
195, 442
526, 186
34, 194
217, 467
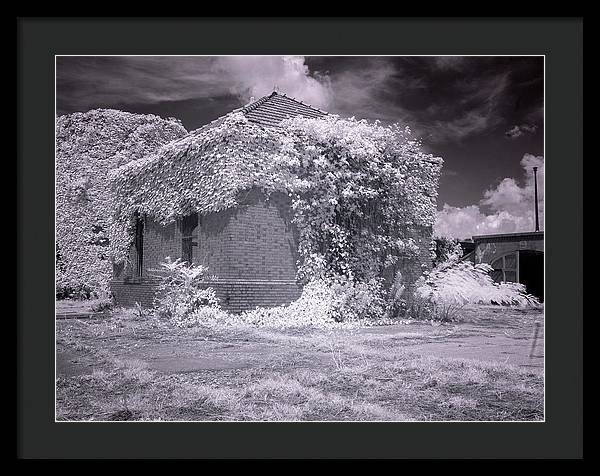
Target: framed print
324, 249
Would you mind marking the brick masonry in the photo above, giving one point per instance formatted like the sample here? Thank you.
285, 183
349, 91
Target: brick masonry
234, 295
251, 250
488, 248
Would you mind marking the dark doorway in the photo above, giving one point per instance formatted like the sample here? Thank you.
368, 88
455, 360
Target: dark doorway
188, 225
531, 272
139, 246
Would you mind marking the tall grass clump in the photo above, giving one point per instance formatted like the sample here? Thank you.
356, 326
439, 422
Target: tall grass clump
440, 294
453, 284
463, 282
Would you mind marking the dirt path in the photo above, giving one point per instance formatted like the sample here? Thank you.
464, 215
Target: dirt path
498, 336
493, 335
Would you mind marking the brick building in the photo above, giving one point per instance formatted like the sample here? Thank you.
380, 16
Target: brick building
252, 248
515, 257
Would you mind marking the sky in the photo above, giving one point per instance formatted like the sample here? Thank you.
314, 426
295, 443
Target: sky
482, 115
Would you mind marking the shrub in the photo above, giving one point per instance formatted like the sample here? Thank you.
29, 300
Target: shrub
78, 292
455, 284
204, 316
103, 305
442, 293
355, 301
325, 303
446, 249
181, 290
397, 305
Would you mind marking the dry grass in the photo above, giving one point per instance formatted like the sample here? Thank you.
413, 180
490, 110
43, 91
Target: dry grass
308, 376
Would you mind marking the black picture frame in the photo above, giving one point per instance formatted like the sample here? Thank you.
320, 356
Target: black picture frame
560, 40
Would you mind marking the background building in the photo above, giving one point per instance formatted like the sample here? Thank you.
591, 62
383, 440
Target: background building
515, 257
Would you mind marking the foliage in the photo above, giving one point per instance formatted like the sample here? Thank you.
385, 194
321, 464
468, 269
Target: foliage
396, 305
180, 290
74, 291
322, 304
88, 146
454, 284
204, 316
325, 304
441, 294
103, 305
361, 192
354, 301
446, 249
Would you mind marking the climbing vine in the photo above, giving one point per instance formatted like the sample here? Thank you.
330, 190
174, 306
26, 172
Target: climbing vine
361, 192
88, 146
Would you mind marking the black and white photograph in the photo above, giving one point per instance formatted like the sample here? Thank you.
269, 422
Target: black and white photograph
299, 238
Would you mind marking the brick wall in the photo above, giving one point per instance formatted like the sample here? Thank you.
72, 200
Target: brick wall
255, 241
160, 242
251, 249
129, 293
490, 248
235, 295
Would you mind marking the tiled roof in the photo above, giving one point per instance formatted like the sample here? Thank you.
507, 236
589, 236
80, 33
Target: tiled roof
272, 109
510, 236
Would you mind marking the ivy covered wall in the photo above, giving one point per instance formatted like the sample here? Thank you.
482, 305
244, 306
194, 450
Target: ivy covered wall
88, 146
362, 195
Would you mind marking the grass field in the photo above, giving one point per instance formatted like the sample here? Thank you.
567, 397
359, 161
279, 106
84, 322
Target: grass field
121, 367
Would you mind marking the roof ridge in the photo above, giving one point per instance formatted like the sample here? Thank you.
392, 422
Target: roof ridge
303, 103
255, 104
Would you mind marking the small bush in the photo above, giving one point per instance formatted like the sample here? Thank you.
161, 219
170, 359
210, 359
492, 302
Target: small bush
204, 316
79, 292
325, 303
446, 249
104, 304
456, 283
442, 293
139, 310
355, 301
182, 290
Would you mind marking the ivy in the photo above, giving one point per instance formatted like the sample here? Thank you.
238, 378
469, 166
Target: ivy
88, 146
361, 192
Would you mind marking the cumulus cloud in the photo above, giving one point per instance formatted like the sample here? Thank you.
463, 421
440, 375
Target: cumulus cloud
256, 76
518, 131
505, 208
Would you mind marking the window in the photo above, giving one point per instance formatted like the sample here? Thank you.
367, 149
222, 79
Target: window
505, 268
188, 225
139, 245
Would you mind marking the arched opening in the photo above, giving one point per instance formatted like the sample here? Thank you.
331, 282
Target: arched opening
521, 266
531, 272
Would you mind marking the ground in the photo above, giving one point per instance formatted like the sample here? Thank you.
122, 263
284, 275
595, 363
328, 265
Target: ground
119, 365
